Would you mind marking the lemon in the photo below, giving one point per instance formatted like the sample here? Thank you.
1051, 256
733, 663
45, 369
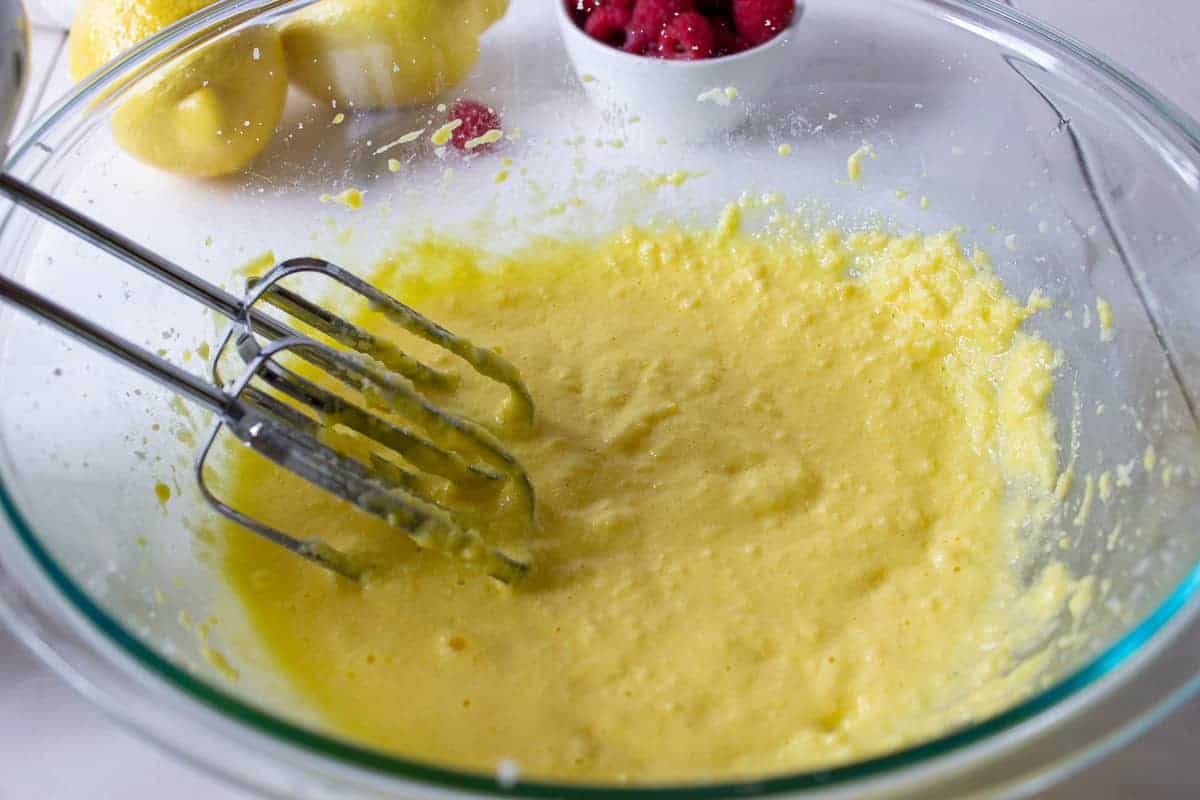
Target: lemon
383, 53
208, 113
104, 28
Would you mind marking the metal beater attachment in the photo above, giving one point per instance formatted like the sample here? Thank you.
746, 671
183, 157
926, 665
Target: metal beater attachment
386, 379
367, 388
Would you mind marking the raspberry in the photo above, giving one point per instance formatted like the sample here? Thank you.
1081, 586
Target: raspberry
688, 37
607, 24
651, 16
728, 42
637, 42
580, 9
758, 21
477, 119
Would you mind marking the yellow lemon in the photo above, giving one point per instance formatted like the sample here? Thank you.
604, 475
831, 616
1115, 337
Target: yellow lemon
380, 53
210, 112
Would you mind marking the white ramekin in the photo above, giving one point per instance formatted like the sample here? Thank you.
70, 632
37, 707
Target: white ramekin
685, 100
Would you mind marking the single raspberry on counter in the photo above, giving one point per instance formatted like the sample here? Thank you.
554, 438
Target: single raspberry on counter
609, 24
688, 37
758, 21
650, 17
477, 119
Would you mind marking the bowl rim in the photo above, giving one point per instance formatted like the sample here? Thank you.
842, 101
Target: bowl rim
1077, 687
569, 28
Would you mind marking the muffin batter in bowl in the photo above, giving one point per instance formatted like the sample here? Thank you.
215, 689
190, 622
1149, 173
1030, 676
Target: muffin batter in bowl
782, 480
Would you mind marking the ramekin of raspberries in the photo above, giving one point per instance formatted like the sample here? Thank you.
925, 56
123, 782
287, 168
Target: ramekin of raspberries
682, 30
682, 70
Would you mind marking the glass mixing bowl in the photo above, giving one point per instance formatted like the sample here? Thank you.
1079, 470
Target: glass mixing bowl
1075, 177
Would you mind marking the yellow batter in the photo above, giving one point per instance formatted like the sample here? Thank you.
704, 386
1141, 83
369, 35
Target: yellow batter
776, 479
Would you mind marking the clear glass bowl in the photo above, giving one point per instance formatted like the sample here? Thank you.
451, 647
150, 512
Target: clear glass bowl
1078, 180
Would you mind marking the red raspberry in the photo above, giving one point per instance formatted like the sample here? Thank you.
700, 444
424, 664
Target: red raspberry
637, 42
477, 119
728, 42
688, 37
758, 21
608, 24
650, 17
579, 9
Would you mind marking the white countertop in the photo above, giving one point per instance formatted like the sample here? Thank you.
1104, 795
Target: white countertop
56, 746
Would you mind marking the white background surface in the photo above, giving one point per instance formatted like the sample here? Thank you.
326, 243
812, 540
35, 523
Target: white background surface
55, 746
